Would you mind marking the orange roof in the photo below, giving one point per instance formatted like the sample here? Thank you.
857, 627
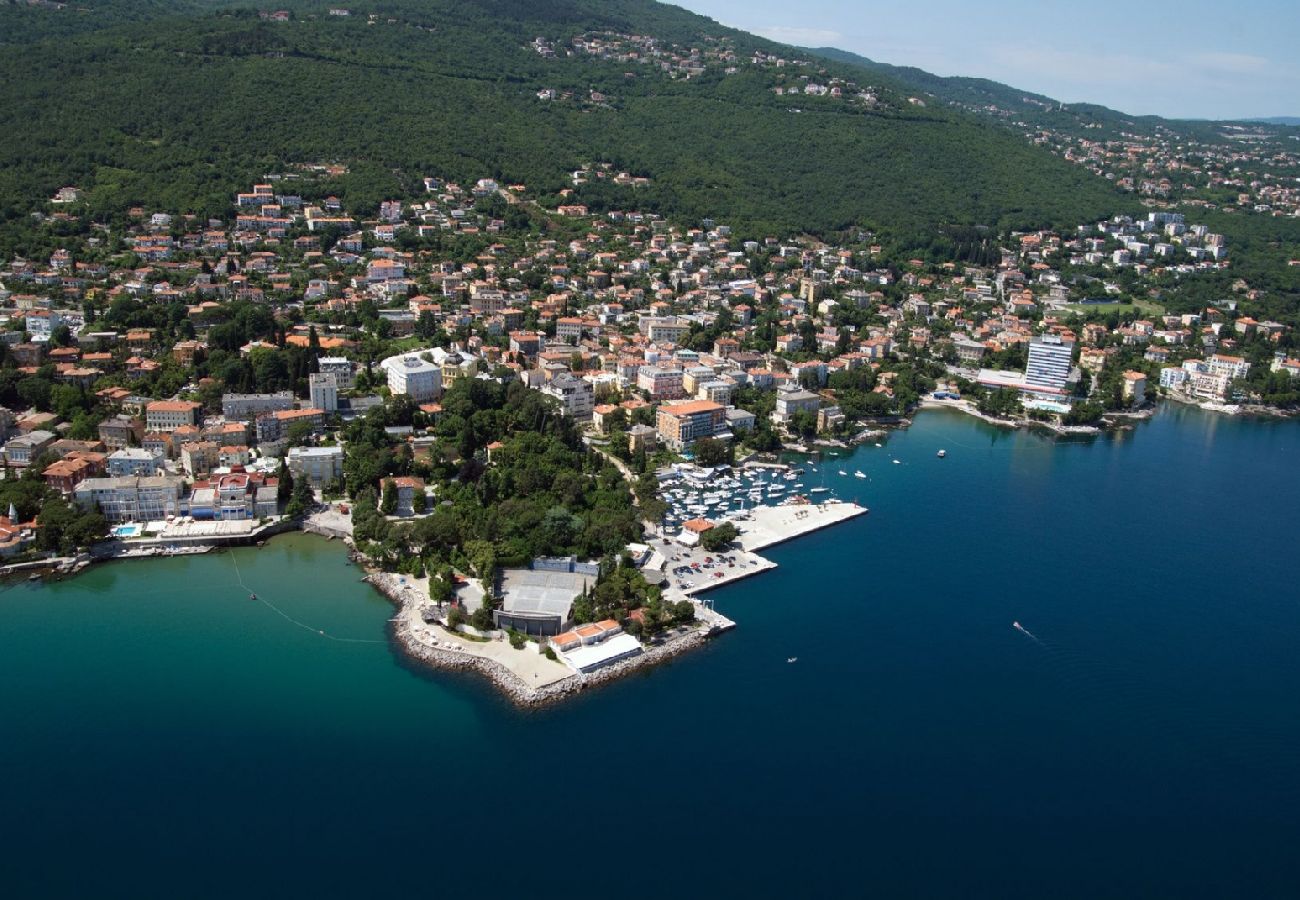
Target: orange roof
690, 408
699, 526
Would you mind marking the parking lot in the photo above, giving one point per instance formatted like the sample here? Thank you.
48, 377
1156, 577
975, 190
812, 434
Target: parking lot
692, 569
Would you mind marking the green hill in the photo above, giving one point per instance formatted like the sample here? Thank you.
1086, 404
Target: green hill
177, 105
992, 97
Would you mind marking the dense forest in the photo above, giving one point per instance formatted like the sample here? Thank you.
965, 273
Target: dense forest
176, 106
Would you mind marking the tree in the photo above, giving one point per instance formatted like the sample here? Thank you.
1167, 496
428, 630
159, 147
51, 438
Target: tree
418, 502
284, 484
61, 336
719, 536
301, 500
388, 502
711, 452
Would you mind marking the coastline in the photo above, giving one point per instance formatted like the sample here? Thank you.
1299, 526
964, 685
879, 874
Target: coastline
444, 652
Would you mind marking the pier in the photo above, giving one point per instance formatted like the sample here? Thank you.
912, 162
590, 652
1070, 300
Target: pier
767, 526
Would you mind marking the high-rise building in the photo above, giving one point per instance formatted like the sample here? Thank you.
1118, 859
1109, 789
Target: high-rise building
324, 391
1049, 363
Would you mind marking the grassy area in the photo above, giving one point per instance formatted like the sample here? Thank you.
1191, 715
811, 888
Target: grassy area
1146, 307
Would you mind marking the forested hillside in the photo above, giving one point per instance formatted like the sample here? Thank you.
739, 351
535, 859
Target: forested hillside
176, 105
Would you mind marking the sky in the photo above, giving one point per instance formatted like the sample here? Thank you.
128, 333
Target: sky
1192, 59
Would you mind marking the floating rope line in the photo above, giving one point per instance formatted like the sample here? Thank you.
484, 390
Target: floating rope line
288, 618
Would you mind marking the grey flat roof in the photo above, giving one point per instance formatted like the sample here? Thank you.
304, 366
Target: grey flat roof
530, 593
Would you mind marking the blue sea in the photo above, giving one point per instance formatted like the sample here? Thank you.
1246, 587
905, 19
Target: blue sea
162, 735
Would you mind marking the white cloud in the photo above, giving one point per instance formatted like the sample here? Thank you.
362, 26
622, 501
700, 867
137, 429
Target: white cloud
1236, 63
800, 37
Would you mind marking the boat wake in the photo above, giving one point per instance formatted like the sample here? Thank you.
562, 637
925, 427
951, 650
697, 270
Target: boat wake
1027, 633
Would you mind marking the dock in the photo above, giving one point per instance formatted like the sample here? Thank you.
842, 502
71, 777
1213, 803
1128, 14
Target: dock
767, 526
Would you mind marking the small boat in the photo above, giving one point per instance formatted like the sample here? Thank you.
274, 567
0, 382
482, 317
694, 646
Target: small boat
842, 472
942, 453
897, 463
252, 596
791, 659
878, 444
819, 490
859, 474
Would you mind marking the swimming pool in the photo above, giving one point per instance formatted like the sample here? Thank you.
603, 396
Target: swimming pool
126, 531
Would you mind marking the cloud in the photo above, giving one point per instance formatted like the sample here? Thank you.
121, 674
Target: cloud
1236, 63
800, 37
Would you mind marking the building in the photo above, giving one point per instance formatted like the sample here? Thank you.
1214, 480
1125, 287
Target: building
133, 499
791, 400
232, 497
595, 645
319, 465
968, 351
642, 438
666, 330
168, 415
681, 424
324, 392
25, 449
1135, 387
1232, 366
739, 420
539, 600
341, 368
405, 487
1048, 368
120, 432
575, 395
134, 461
247, 407
65, 474
413, 375
830, 418
199, 457
660, 383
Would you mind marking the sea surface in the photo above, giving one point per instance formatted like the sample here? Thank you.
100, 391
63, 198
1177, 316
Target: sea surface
164, 735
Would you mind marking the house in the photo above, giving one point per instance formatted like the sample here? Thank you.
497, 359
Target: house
1135, 387
168, 415
134, 461
791, 399
319, 465
198, 458
65, 474
25, 449
576, 396
406, 488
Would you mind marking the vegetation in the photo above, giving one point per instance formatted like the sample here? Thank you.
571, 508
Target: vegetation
226, 103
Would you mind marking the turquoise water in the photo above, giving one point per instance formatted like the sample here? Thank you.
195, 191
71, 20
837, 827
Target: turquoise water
163, 735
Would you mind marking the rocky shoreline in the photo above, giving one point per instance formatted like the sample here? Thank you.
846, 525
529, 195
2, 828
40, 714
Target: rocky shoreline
514, 688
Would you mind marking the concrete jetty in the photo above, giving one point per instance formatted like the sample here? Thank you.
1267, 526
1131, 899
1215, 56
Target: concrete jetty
767, 526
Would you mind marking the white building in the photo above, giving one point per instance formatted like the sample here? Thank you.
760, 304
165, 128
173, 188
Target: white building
576, 395
134, 499
324, 392
319, 465
342, 368
134, 461
1049, 364
413, 375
